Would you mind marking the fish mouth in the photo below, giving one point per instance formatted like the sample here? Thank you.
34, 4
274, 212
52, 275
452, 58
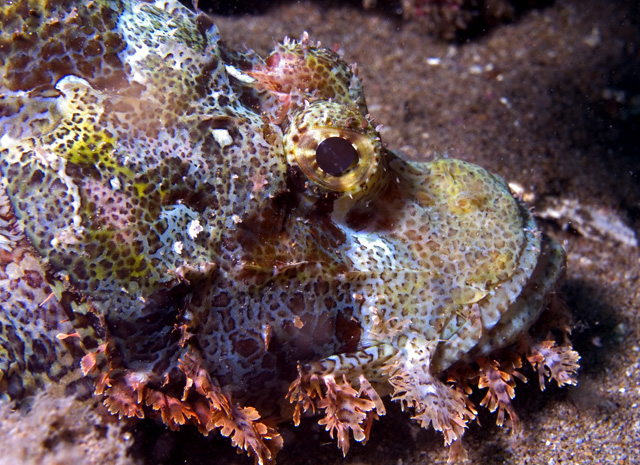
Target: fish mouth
521, 314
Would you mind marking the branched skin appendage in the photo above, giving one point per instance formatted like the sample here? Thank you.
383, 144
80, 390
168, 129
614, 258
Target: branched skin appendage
208, 236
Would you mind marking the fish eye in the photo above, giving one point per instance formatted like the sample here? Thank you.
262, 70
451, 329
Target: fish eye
336, 156
335, 146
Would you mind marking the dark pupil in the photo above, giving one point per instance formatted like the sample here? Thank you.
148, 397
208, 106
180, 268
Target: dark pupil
336, 155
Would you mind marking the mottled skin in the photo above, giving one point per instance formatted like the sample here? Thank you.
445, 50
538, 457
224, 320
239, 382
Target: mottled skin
164, 218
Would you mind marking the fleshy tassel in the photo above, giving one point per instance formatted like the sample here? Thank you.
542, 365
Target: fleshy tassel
500, 386
240, 424
555, 362
345, 409
434, 403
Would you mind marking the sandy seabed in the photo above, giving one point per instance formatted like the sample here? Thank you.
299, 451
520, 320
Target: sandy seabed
551, 102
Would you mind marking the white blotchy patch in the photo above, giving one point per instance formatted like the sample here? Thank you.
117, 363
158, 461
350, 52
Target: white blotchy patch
115, 184
222, 137
177, 247
368, 249
194, 229
239, 75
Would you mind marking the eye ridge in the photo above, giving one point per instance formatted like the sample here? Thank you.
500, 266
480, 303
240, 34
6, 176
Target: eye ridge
336, 156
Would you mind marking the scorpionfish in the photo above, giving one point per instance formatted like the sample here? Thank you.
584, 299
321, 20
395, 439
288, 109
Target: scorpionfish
222, 240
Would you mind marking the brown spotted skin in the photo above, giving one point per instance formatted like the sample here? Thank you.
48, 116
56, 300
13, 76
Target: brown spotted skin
31, 317
164, 216
43, 41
